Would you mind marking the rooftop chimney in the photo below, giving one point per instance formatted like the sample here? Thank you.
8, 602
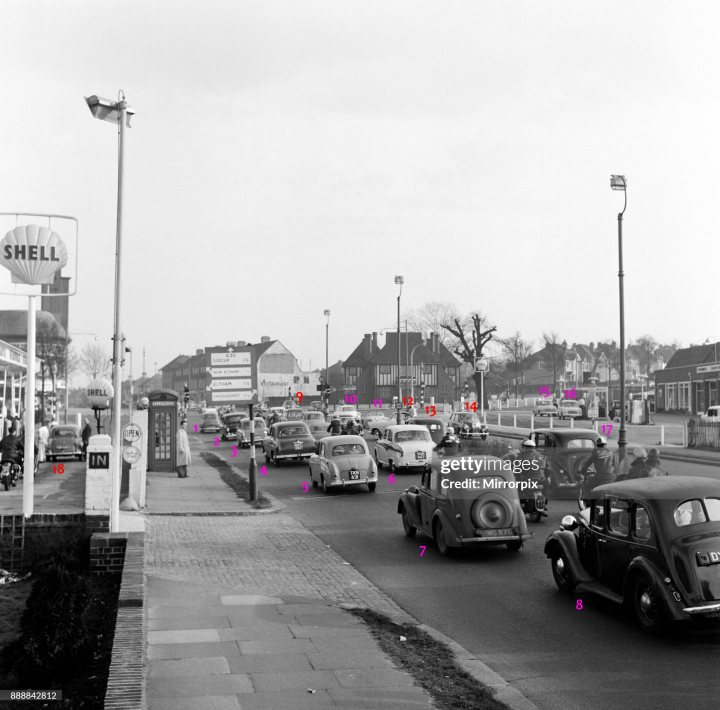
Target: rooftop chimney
367, 343
265, 339
199, 351
374, 343
240, 344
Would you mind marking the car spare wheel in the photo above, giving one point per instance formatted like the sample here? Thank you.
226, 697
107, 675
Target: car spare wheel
562, 574
491, 510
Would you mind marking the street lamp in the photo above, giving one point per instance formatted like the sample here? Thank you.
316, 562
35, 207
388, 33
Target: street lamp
326, 389
399, 281
618, 182
119, 113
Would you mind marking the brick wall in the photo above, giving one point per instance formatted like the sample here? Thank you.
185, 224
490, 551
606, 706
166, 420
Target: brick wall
107, 552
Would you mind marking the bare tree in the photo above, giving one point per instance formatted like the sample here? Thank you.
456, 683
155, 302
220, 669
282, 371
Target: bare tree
645, 349
430, 319
517, 352
50, 347
551, 347
472, 336
94, 361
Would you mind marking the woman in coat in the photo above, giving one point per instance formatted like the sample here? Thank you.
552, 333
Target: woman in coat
184, 458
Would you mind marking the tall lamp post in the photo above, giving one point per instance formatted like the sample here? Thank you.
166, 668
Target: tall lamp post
119, 113
326, 390
618, 182
399, 281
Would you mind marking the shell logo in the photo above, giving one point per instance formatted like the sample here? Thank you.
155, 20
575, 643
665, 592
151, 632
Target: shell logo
32, 254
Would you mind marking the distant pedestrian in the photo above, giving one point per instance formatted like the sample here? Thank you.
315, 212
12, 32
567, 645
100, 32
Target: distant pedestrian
654, 464
184, 458
43, 441
85, 434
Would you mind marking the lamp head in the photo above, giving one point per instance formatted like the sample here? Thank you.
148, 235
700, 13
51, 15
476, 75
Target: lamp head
107, 110
399, 280
618, 182
326, 313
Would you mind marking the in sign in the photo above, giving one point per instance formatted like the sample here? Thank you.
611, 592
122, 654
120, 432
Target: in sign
99, 459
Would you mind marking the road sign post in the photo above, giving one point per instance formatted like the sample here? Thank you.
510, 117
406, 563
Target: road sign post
481, 366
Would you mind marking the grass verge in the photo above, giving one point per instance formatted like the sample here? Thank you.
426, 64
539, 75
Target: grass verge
238, 483
431, 664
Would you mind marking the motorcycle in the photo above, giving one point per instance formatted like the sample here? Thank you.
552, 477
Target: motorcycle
536, 506
10, 473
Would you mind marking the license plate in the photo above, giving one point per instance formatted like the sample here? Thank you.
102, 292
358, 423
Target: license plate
705, 559
497, 532
298, 445
420, 455
354, 475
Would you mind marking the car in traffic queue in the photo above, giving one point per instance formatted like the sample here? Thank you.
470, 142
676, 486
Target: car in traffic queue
456, 514
288, 441
316, 423
466, 424
343, 410
569, 409
316, 405
64, 441
230, 423
652, 544
376, 422
294, 414
545, 408
342, 461
404, 446
210, 421
565, 452
435, 426
244, 429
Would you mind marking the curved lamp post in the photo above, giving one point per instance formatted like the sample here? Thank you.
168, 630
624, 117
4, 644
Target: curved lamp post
326, 390
618, 182
399, 281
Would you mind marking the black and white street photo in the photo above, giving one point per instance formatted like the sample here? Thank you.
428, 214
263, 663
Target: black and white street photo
360, 355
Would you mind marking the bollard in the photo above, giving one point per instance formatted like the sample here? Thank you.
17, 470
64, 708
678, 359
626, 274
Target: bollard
498, 418
514, 421
572, 422
662, 435
552, 419
532, 422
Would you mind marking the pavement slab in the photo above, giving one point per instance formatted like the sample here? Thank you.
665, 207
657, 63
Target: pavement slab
209, 702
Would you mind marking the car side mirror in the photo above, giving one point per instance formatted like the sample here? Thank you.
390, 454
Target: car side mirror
569, 522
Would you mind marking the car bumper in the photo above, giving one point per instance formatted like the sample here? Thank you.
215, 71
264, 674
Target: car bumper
712, 608
349, 484
484, 540
50, 452
298, 455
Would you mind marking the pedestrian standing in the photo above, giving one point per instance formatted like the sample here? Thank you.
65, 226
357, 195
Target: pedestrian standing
85, 434
183, 451
43, 441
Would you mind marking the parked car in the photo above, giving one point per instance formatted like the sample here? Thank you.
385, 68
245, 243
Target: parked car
435, 426
565, 451
466, 424
243, 432
650, 543
712, 414
465, 517
342, 461
230, 423
316, 423
288, 440
569, 409
545, 408
210, 421
404, 446
64, 440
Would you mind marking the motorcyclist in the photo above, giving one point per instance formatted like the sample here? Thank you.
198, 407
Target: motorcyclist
633, 465
449, 444
511, 454
335, 426
654, 464
11, 447
602, 463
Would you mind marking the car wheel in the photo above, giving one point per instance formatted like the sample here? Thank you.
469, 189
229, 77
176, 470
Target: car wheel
325, 487
314, 482
372, 485
391, 466
646, 603
535, 517
410, 530
514, 546
267, 457
443, 548
562, 574
377, 460
376, 433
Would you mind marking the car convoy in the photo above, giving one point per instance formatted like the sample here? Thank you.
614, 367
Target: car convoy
650, 544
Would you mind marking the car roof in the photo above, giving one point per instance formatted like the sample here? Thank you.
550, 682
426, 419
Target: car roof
74, 427
675, 488
565, 433
406, 427
427, 420
346, 439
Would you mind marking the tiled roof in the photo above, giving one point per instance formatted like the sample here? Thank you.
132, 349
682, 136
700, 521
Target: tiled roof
687, 357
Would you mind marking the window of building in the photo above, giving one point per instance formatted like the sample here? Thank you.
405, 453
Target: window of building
683, 395
352, 374
671, 396
306, 380
386, 375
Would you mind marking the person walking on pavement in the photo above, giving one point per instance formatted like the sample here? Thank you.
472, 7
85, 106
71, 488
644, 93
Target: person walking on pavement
43, 441
654, 465
184, 458
85, 434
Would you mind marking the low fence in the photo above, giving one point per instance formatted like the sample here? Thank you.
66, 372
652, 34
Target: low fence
703, 434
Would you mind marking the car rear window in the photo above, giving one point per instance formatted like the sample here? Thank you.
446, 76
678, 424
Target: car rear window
64, 433
418, 435
288, 431
689, 512
348, 450
581, 444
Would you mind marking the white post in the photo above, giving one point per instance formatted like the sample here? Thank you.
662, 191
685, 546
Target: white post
662, 435
552, 419
482, 392
28, 477
572, 422
532, 421
499, 415
514, 421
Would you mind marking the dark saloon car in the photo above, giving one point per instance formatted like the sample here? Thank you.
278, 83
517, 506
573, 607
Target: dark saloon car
435, 426
65, 440
467, 425
650, 543
230, 423
465, 508
288, 440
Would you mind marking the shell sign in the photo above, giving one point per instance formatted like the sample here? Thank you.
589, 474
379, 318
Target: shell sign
32, 254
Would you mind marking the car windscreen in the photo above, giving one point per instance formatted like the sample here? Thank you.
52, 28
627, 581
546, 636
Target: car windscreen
288, 431
418, 435
210, 418
63, 433
580, 444
348, 450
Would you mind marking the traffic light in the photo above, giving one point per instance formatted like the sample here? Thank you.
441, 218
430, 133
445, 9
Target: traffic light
186, 394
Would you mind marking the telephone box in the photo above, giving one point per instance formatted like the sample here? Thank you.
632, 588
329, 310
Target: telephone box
162, 430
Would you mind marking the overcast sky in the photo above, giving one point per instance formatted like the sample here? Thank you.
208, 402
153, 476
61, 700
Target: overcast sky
287, 157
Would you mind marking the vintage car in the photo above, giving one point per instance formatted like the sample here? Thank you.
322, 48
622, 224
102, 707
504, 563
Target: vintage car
569, 409
210, 421
230, 423
435, 426
456, 514
565, 452
316, 405
346, 410
545, 408
294, 415
650, 543
342, 461
288, 440
65, 440
466, 424
377, 422
316, 423
243, 433
404, 446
